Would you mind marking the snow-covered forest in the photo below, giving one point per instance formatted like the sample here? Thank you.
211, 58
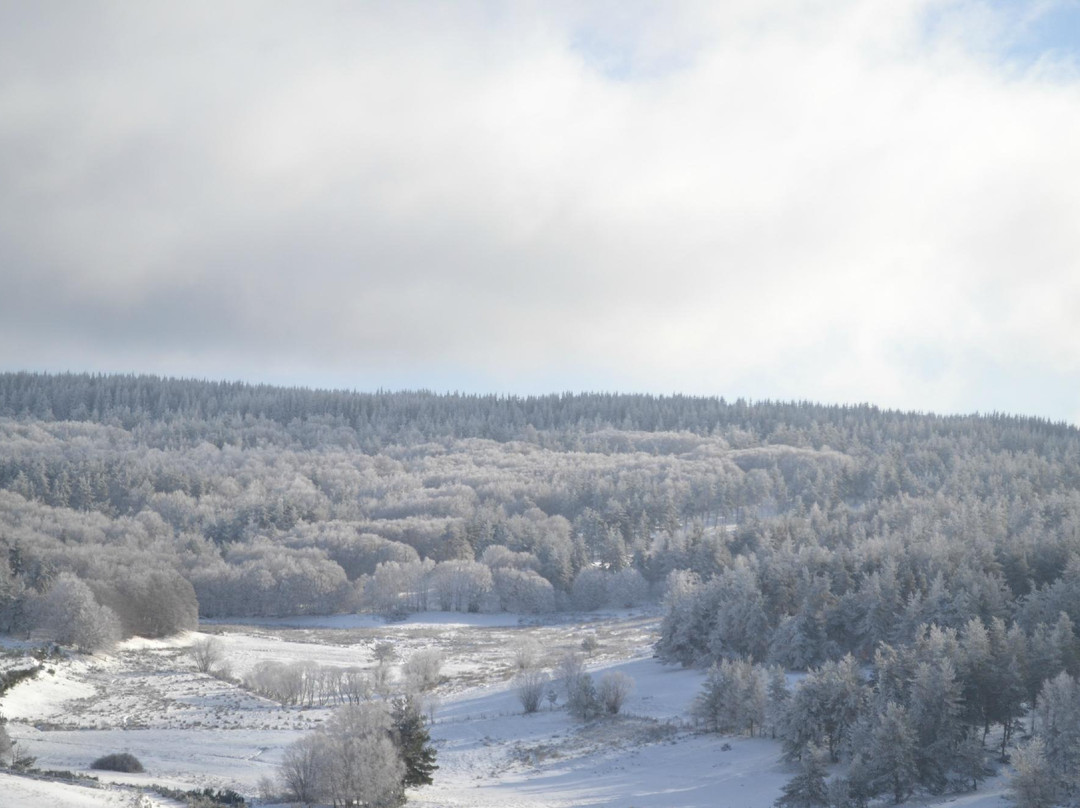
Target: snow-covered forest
823, 523
923, 571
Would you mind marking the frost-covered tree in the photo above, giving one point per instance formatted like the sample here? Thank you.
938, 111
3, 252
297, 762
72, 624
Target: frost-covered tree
777, 694
733, 698
808, 788
303, 769
934, 714
679, 629
892, 753
363, 766
523, 591
1059, 731
823, 708
461, 586
423, 669
590, 590
581, 699
1032, 784
72, 616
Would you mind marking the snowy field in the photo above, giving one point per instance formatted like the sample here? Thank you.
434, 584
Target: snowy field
191, 730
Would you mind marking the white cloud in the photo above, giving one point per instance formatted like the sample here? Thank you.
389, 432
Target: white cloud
841, 201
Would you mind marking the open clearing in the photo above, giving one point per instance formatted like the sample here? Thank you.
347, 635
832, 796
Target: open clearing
191, 730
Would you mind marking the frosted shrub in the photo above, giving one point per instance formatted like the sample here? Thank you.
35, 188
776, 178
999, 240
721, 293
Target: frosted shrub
613, 690
531, 686
422, 669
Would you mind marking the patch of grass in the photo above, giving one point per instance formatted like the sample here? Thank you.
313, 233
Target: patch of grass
204, 798
63, 774
8, 679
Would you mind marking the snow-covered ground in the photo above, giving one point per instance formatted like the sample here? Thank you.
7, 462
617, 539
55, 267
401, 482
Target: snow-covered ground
191, 730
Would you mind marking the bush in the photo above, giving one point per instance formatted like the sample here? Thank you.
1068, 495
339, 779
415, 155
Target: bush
207, 653
205, 798
118, 762
613, 690
423, 669
531, 686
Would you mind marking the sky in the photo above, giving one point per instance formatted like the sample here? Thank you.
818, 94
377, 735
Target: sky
840, 201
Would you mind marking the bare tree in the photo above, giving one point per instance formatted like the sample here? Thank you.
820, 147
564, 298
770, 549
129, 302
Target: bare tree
302, 767
207, 653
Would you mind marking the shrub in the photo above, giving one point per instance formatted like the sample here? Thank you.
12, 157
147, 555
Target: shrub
531, 686
613, 690
423, 669
118, 762
207, 653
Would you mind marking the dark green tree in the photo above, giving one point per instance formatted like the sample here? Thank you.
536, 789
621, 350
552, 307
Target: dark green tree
414, 742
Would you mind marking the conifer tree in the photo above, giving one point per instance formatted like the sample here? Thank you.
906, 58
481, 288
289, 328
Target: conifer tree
892, 753
807, 789
414, 742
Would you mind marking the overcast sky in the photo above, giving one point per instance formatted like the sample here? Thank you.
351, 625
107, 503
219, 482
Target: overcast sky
831, 200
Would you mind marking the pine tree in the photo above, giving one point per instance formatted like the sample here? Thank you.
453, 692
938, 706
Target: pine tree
934, 712
892, 753
414, 742
807, 789
969, 763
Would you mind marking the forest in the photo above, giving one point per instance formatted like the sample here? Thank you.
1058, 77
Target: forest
939, 553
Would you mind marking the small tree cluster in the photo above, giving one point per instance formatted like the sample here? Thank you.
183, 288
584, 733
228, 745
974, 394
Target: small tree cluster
308, 684
902, 731
71, 615
366, 754
585, 699
733, 698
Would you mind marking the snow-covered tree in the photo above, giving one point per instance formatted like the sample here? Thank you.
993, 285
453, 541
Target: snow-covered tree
1033, 784
808, 788
892, 752
1059, 730
72, 616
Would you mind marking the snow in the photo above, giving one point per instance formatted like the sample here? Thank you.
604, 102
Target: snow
191, 730
24, 792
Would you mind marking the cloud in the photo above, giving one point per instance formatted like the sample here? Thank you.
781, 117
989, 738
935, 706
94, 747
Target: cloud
843, 201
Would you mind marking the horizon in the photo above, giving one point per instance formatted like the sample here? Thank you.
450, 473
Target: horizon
511, 395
